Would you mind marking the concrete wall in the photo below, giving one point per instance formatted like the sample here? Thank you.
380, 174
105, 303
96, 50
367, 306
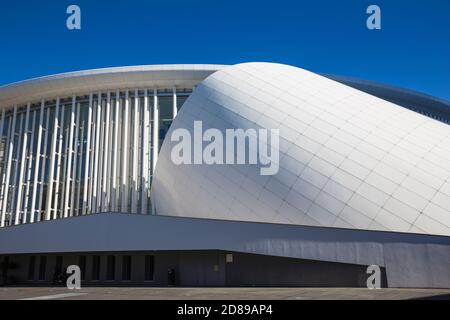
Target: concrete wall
256, 270
163, 262
410, 260
199, 269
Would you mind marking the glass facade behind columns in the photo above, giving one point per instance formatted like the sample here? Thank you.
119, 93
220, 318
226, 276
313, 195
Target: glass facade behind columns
85, 154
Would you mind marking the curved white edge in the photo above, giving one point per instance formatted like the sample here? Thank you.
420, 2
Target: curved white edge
347, 158
72, 83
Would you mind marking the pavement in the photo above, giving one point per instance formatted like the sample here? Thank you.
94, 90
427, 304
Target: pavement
21, 293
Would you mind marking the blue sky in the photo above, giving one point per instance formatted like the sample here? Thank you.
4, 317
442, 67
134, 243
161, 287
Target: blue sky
412, 50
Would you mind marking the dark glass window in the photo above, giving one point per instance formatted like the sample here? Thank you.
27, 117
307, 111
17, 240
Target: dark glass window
31, 268
96, 268
58, 265
42, 267
166, 108
180, 102
111, 268
149, 268
126, 268
82, 265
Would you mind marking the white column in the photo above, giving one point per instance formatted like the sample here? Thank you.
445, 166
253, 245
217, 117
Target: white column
48, 206
23, 161
58, 167
155, 130
106, 176
70, 152
87, 162
101, 163
45, 156
62, 167
2, 127
8, 164
175, 103
16, 203
72, 194
95, 176
92, 159
111, 143
29, 170
115, 156
145, 154
134, 187
78, 196
37, 163
125, 147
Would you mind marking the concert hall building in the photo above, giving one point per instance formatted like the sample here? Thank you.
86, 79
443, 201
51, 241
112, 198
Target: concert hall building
86, 178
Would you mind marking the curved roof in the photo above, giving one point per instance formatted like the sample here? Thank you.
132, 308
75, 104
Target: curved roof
347, 159
66, 84
187, 75
436, 108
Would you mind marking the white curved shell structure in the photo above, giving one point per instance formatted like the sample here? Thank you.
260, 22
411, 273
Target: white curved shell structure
347, 159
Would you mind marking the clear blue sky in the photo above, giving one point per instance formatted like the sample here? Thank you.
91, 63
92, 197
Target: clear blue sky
327, 36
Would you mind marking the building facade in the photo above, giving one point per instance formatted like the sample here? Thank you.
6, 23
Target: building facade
70, 152
87, 179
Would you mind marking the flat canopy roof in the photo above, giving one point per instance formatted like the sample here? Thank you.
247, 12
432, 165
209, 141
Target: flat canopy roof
82, 82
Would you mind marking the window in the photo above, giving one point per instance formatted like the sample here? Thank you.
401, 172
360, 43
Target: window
58, 265
82, 265
166, 108
149, 268
95, 268
166, 117
42, 267
111, 268
181, 101
31, 267
126, 268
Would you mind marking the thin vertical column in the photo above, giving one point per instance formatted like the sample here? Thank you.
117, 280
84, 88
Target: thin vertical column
62, 170
115, 159
68, 172
106, 176
175, 103
145, 154
72, 193
16, 183
110, 154
29, 169
96, 153
134, 189
125, 147
37, 163
58, 166
98, 202
45, 156
48, 207
92, 159
80, 170
88, 153
2, 127
10, 144
23, 161
155, 130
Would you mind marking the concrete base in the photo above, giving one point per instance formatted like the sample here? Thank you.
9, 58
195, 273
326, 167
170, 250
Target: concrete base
191, 269
272, 254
